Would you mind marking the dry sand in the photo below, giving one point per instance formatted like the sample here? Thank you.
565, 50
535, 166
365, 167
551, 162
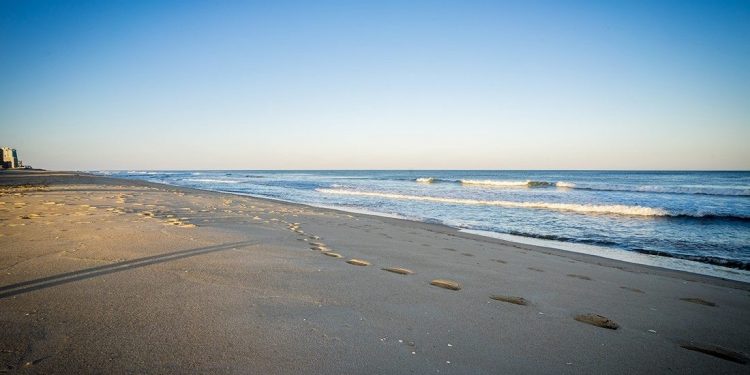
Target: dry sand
100, 275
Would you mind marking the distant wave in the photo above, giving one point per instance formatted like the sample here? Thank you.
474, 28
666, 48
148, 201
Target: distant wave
425, 180
527, 183
211, 180
699, 190
142, 172
613, 209
497, 183
563, 184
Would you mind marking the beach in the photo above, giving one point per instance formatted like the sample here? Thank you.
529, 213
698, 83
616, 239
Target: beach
107, 275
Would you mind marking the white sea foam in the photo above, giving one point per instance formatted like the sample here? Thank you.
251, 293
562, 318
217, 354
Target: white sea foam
211, 180
572, 207
496, 183
504, 183
563, 184
425, 180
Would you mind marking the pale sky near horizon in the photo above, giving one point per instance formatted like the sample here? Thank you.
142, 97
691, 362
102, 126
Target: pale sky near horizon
376, 85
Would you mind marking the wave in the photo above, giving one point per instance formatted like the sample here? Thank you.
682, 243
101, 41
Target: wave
697, 190
211, 180
612, 209
582, 208
142, 172
501, 183
717, 261
425, 180
657, 189
497, 183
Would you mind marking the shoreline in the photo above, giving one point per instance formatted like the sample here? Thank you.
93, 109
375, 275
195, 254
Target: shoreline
444, 228
723, 273
109, 275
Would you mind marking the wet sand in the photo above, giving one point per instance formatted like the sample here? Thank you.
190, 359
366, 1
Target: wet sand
116, 276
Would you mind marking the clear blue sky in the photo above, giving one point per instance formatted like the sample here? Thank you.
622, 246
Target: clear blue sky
381, 84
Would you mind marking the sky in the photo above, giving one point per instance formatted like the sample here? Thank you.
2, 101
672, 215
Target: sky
95, 85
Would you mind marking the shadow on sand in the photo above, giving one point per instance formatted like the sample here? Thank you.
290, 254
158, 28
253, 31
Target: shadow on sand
64, 278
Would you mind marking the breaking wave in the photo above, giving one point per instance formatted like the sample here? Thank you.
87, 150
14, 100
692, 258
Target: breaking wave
527, 183
582, 208
425, 180
612, 209
212, 181
496, 183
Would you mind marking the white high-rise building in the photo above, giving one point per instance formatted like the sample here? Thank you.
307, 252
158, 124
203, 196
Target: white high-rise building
10, 158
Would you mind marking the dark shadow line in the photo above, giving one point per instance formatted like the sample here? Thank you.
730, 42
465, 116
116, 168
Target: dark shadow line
46, 282
93, 269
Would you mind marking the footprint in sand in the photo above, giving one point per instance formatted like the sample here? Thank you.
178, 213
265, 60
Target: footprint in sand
535, 269
399, 270
597, 320
358, 262
467, 254
511, 299
499, 261
446, 284
716, 351
318, 246
699, 301
579, 276
332, 254
632, 289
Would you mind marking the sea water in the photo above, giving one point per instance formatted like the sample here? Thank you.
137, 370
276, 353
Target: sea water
695, 221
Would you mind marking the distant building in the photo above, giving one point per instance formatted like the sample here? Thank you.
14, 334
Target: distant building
10, 158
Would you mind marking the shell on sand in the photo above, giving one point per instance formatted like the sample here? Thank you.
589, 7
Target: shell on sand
510, 299
332, 254
358, 262
446, 284
399, 270
597, 320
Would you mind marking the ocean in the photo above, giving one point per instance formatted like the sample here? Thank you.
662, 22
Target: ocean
693, 221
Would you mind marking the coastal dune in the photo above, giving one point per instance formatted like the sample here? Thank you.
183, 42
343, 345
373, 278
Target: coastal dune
118, 276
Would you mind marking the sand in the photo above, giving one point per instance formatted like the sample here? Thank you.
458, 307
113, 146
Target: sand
101, 275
